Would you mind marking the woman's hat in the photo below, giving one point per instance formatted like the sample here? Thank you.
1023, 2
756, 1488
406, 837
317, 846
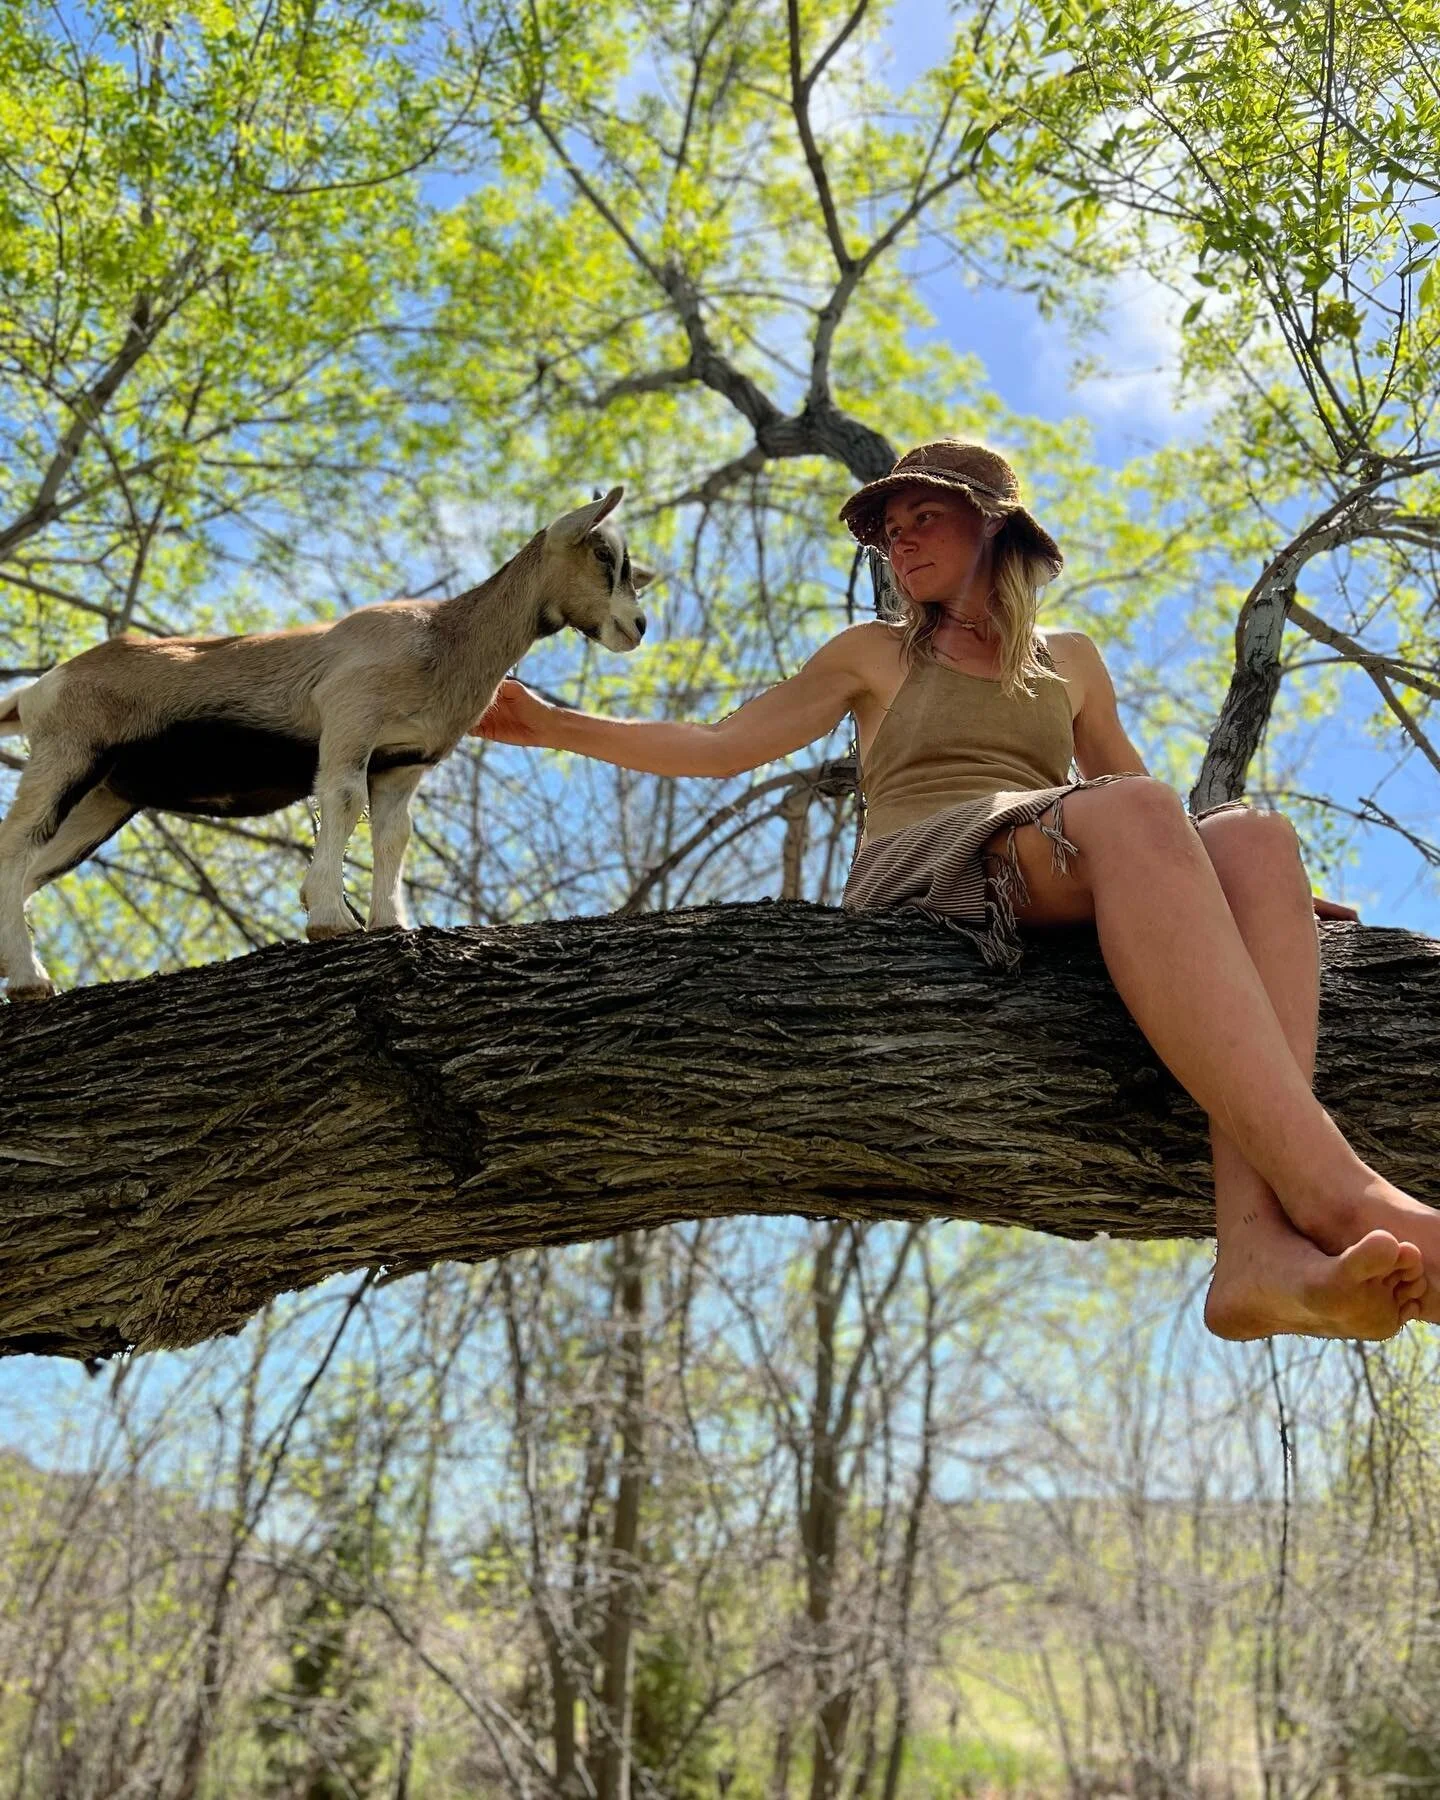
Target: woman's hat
982, 475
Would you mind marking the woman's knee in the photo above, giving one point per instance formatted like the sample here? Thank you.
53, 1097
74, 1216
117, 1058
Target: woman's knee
1265, 832
1137, 809
1251, 841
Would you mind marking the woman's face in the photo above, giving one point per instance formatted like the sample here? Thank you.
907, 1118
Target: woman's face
936, 542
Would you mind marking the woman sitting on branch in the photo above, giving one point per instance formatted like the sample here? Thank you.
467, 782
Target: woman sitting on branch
968, 720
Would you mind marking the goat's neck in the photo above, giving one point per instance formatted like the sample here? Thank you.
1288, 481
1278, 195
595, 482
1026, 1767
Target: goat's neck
487, 630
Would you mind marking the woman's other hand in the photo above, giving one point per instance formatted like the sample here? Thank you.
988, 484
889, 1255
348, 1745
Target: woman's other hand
1333, 909
514, 716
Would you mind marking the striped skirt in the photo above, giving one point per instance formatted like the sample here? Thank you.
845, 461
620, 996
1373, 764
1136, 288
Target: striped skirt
937, 867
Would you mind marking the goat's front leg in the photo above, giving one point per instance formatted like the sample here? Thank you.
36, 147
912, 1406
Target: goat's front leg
340, 789
390, 796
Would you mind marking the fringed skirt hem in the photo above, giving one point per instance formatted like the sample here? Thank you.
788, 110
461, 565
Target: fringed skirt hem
938, 867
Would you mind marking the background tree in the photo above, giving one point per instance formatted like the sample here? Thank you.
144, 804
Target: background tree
1267, 167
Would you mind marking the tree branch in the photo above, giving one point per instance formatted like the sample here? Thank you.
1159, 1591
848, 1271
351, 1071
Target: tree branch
88, 407
1260, 627
1393, 666
819, 429
801, 86
179, 1150
708, 490
824, 778
652, 381
1408, 721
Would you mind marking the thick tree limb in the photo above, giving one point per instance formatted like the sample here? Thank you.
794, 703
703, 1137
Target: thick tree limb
179, 1150
816, 430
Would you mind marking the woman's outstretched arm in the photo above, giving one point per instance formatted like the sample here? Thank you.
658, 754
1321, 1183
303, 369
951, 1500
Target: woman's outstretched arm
784, 718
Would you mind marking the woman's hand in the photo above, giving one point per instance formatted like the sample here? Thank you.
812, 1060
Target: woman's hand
1332, 909
514, 716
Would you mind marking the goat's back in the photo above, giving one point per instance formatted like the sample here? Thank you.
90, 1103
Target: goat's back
133, 686
167, 678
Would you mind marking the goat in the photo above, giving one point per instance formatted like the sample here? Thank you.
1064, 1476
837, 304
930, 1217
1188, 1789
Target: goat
232, 727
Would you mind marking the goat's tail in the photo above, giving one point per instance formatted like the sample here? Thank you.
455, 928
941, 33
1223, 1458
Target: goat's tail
10, 725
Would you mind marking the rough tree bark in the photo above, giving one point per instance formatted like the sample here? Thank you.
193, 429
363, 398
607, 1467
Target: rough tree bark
175, 1151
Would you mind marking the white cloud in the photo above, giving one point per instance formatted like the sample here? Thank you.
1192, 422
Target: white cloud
1137, 348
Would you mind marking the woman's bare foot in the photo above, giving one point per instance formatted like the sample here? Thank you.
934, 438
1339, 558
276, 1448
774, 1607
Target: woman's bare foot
1375, 1204
1369, 1290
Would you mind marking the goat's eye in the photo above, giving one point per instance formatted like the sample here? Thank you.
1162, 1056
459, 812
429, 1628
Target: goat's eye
604, 555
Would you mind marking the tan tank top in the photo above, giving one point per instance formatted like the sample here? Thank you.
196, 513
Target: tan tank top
949, 737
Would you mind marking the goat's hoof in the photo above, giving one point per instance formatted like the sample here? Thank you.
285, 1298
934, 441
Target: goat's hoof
321, 934
37, 990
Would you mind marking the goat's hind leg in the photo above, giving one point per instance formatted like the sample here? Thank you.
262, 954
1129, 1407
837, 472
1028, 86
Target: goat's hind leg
390, 795
54, 782
94, 819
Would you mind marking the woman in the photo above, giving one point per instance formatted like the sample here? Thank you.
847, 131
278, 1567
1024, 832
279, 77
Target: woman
967, 721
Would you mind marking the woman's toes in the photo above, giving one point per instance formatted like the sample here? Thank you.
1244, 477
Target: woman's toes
1411, 1262
1377, 1253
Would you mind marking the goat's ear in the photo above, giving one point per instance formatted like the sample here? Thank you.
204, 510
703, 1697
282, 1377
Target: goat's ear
571, 528
640, 576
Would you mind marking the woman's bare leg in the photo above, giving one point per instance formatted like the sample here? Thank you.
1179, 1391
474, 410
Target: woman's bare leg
1268, 1277
1176, 956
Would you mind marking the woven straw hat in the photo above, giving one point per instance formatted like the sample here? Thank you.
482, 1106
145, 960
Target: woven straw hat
982, 475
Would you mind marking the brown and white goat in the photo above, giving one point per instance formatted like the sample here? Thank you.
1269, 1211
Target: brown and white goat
237, 726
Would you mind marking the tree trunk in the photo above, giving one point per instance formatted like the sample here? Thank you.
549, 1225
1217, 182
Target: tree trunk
820, 1529
617, 1693
177, 1151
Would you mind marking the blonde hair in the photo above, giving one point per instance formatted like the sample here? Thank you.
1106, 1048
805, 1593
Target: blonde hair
1014, 605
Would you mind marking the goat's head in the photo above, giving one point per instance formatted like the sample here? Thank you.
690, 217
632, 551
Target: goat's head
588, 579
